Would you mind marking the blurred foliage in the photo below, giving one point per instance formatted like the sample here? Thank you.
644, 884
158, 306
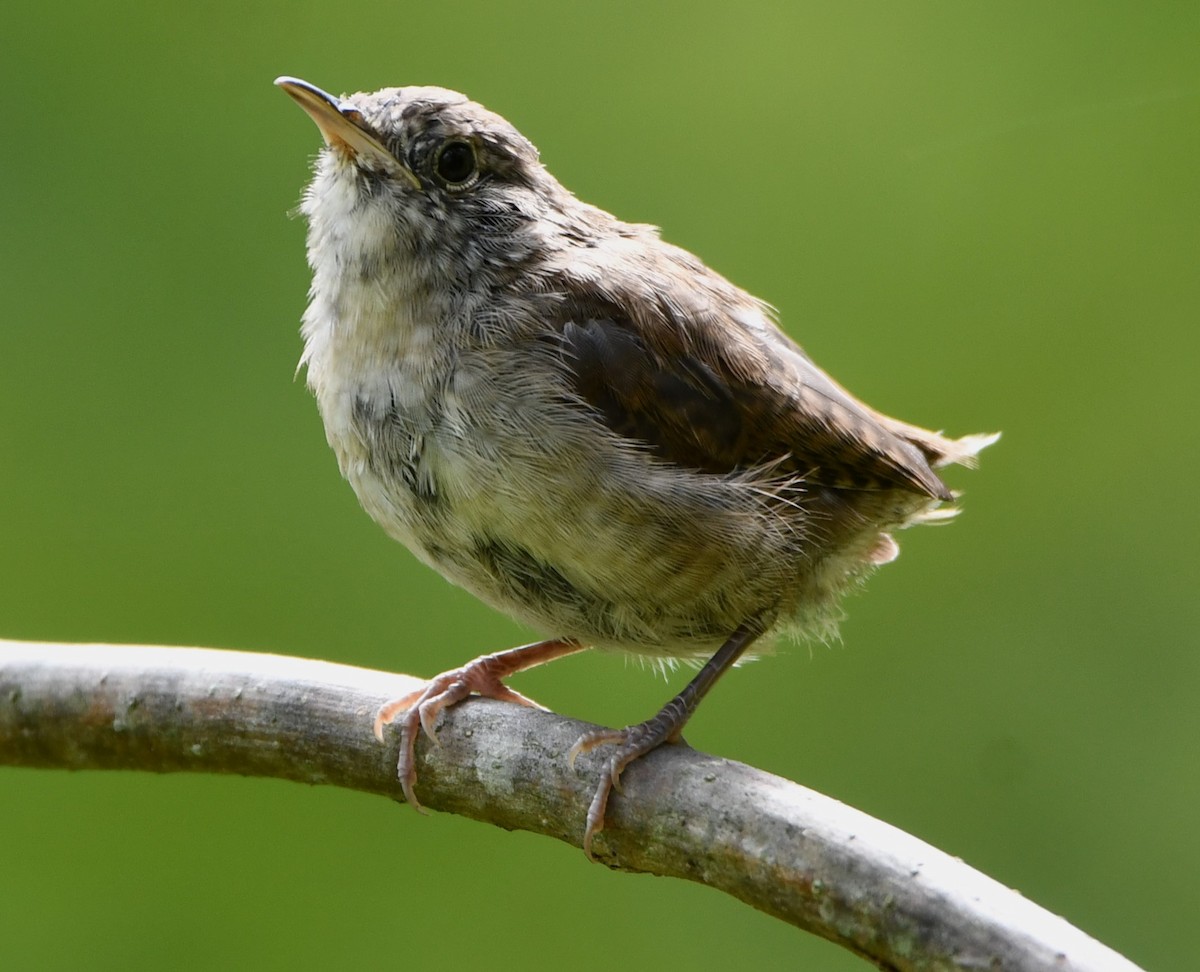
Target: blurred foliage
977, 216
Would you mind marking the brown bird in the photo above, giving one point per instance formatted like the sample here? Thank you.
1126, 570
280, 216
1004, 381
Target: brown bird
582, 425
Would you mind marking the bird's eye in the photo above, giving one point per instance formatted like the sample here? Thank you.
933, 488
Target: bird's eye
455, 162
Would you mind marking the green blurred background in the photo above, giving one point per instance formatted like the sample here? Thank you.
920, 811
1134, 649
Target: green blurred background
976, 216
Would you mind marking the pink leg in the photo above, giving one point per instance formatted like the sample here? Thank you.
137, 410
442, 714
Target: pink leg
483, 676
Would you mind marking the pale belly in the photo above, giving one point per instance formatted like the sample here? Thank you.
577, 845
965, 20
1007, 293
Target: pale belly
615, 549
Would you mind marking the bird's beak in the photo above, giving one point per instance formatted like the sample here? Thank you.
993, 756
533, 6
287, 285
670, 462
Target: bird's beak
343, 128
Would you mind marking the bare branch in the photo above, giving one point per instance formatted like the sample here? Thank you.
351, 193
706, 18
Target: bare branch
784, 849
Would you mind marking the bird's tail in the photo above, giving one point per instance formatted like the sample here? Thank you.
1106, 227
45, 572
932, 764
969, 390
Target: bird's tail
942, 451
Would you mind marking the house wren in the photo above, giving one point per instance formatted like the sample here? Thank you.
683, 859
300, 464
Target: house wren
582, 425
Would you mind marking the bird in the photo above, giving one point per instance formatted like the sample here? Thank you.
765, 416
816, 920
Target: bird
576, 421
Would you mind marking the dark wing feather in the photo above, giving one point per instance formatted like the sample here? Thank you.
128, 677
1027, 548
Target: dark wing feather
733, 399
678, 407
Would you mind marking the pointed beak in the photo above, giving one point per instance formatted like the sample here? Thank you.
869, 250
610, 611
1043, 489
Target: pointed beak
344, 129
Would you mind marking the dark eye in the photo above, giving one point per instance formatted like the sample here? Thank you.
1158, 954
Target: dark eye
455, 162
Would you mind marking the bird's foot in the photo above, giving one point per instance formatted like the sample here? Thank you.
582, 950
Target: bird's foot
483, 676
632, 742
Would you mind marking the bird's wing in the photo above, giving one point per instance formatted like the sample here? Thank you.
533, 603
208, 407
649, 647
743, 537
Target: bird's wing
722, 391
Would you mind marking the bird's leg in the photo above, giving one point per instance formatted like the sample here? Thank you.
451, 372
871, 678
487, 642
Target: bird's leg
635, 741
483, 676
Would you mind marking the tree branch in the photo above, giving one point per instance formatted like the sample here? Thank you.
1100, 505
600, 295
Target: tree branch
784, 849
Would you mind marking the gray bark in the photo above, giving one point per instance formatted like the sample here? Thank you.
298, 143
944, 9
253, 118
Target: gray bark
782, 848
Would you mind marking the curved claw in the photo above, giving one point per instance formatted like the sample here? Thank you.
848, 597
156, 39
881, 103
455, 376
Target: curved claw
418, 711
590, 740
389, 712
632, 743
429, 710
